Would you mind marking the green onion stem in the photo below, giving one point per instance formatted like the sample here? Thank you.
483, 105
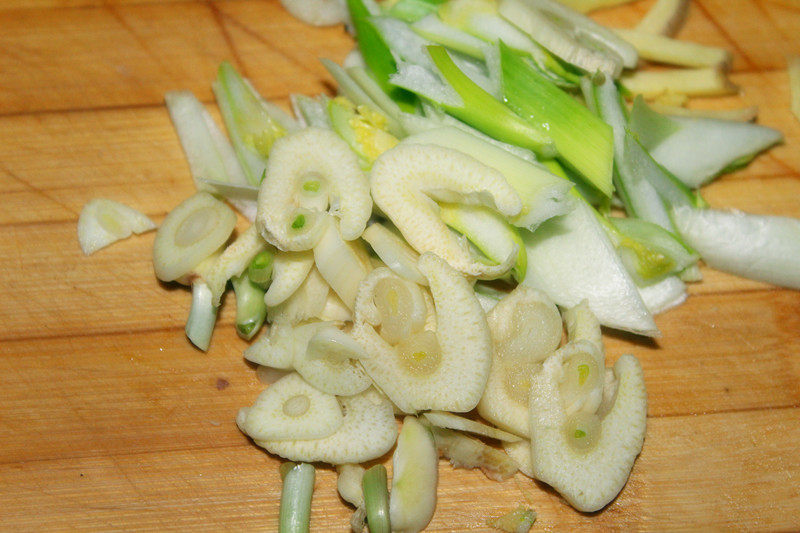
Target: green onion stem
251, 311
298, 485
260, 269
376, 499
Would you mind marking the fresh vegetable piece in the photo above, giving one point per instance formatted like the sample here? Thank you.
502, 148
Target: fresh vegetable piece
328, 362
707, 81
794, 84
447, 420
405, 178
394, 252
665, 17
190, 233
588, 478
432, 28
260, 268
249, 122
306, 303
342, 264
695, 150
583, 141
488, 232
275, 348
543, 195
520, 452
291, 409
298, 486
760, 247
348, 483
289, 270
377, 54
296, 158
400, 308
384, 103
648, 251
367, 432
317, 12
466, 452
250, 307
488, 296
212, 160
661, 49
571, 259
415, 474
363, 129
526, 328
520, 520
268, 375
335, 310
581, 379
376, 499
445, 370
466, 101
559, 40
582, 325
741, 114
202, 316
586, 30
103, 222
234, 260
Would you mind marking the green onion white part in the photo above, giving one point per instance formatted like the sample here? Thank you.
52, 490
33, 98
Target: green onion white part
707, 81
202, 316
103, 222
251, 311
376, 499
295, 509
661, 49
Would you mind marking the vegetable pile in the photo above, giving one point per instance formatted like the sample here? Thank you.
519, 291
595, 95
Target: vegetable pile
420, 243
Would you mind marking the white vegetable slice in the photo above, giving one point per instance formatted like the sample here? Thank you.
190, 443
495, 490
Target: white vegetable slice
202, 316
451, 421
543, 195
103, 222
582, 325
289, 270
348, 483
233, 261
415, 474
571, 258
582, 377
406, 180
328, 362
760, 247
274, 348
466, 452
367, 432
587, 479
526, 328
665, 17
342, 264
307, 302
312, 152
663, 49
291, 409
317, 12
393, 251
335, 310
192, 231
708, 81
664, 295
451, 378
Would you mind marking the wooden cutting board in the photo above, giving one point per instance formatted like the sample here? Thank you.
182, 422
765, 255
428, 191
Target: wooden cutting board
110, 420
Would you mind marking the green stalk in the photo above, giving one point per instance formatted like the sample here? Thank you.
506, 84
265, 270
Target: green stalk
376, 499
482, 111
377, 55
250, 307
298, 486
413, 10
583, 141
260, 269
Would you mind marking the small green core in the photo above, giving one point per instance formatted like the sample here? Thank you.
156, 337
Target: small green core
299, 222
583, 374
311, 186
579, 434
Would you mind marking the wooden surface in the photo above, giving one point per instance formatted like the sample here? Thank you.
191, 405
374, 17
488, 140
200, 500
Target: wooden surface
110, 420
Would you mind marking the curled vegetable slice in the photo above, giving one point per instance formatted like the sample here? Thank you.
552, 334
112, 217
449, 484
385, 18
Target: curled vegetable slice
407, 180
368, 431
103, 222
289, 270
311, 155
589, 479
233, 261
445, 370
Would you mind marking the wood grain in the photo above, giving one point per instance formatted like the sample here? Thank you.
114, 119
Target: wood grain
110, 420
